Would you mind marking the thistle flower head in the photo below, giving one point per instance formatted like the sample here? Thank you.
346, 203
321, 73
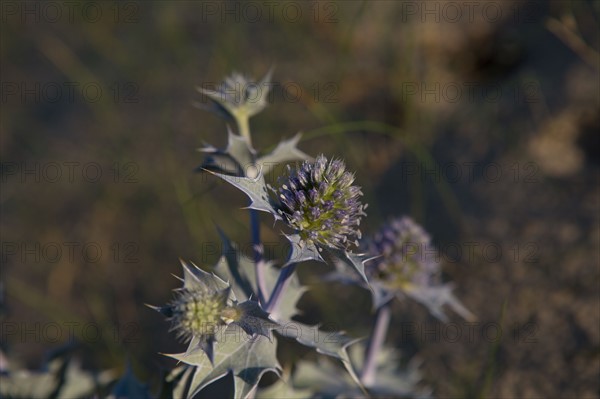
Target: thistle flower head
198, 313
319, 201
205, 306
406, 255
200, 309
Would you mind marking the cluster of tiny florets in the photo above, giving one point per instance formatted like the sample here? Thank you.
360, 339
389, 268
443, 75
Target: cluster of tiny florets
319, 201
405, 254
197, 313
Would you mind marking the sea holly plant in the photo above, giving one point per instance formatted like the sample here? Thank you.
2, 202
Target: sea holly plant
232, 315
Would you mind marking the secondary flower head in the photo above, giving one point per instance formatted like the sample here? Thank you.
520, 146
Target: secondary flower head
319, 201
406, 255
198, 313
204, 307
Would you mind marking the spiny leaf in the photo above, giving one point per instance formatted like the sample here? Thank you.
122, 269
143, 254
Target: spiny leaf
254, 320
332, 344
325, 379
239, 97
436, 297
195, 278
390, 379
302, 251
248, 358
284, 389
356, 261
236, 159
285, 151
238, 269
255, 188
286, 308
328, 382
202, 344
380, 294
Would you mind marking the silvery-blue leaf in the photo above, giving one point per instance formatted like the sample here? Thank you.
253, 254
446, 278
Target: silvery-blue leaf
284, 389
332, 344
380, 294
390, 379
238, 269
355, 261
238, 96
286, 308
254, 320
301, 251
195, 278
436, 297
248, 358
255, 188
324, 379
285, 151
236, 159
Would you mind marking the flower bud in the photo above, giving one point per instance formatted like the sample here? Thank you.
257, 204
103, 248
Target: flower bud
198, 313
406, 255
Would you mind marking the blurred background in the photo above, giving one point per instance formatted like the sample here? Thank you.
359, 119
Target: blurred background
478, 119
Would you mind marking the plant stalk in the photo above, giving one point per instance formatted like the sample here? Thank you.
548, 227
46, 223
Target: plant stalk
282, 282
376, 341
259, 262
243, 124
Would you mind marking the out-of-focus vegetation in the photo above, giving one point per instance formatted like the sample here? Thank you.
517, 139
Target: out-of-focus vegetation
483, 128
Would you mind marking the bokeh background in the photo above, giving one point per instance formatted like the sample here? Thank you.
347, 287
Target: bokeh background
478, 119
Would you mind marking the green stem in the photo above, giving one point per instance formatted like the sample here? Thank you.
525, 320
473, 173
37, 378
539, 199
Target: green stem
243, 124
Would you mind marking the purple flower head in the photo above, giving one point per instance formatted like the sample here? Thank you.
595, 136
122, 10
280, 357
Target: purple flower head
406, 255
318, 200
